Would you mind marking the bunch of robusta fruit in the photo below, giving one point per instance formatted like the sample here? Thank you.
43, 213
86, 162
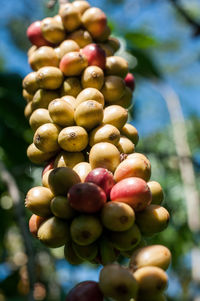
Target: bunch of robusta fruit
96, 197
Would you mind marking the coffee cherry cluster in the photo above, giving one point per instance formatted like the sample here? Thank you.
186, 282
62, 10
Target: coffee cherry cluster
144, 280
96, 197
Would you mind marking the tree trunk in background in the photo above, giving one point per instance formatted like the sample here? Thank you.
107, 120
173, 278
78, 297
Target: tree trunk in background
186, 170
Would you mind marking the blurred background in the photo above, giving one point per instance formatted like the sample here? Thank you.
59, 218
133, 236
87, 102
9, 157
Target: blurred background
161, 41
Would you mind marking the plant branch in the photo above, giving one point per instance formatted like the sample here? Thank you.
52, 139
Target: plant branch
183, 151
14, 192
187, 17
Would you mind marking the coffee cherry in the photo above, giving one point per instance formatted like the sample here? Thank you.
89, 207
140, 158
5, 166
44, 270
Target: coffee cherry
107, 253
87, 290
37, 156
71, 17
151, 280
82, 6
133, 167
45, 179
43, 56
107, 48
95, 55
57, 51
86, 253
130, 81
156, 255
70, 100
49, 166
73, 63
89, 114
157, 192
104, 155
114, 43
53, 30
49, 78
68, 46
125, 240
104, 133
116, 116
102, 178
117, 216
116, 65
61, 112
46, 137
30, 83
71, 87
82, 169
113, 89
153, 219
61, 180
27, 96
141, 156
157, 297
81, 37
42, 98
70, 255
34, 33
92, 77
31, 50
130, 132
90, 94
125, 145
38, 200
86, 197
38, 118
126, 100
54, 232
105, 35
132, 191
128, 253
65, 159
28, 110
61, 208
85, 229
73, 139
117, 282
34, 223
95, 21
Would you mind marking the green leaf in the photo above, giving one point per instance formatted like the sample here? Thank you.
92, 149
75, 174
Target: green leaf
141, 40
146, 66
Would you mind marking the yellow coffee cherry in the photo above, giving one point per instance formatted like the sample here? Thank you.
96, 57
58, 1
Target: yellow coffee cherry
89, 114
90, 94
104, 155
46, 137
73, 139
66, 159
61, 112
43, 56
50, 78
71, 87
92, 77
104, 133
38, 118
115, 115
